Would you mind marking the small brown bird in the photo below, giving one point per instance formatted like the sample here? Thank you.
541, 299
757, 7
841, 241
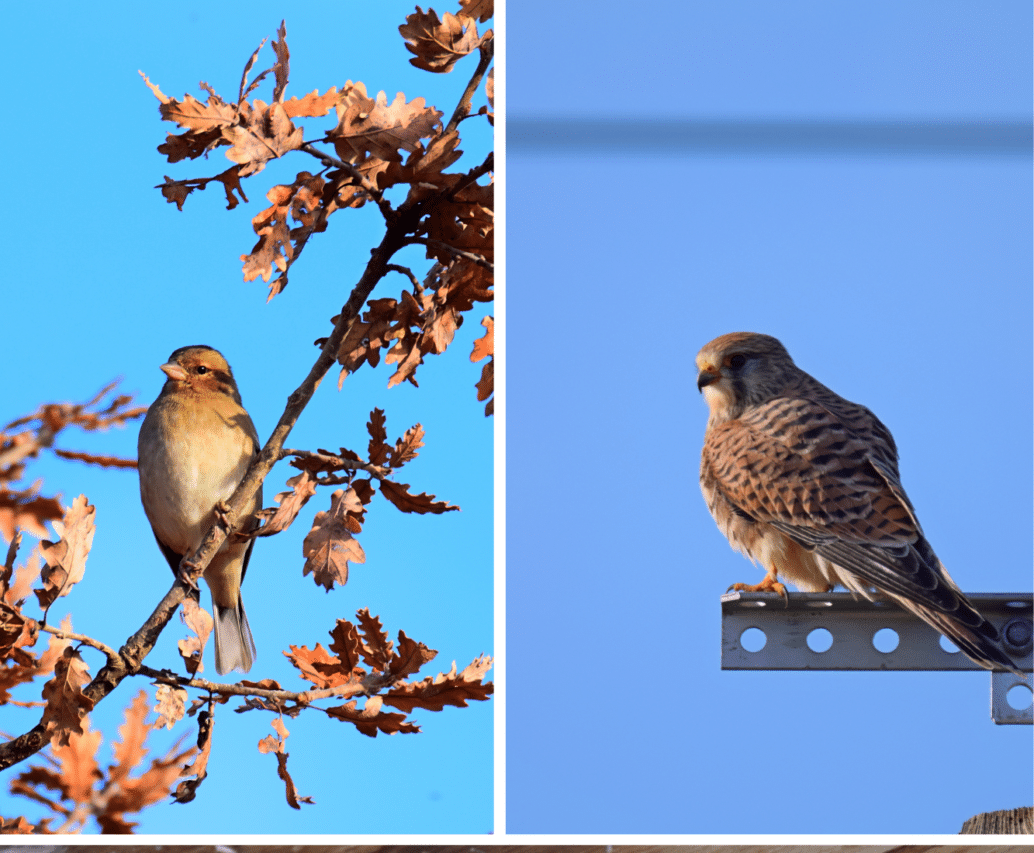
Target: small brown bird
195, 446
806, 483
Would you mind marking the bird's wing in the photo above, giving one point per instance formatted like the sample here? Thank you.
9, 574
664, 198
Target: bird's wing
794, 465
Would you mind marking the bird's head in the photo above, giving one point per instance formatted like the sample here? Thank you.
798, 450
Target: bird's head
741, 369
200, 370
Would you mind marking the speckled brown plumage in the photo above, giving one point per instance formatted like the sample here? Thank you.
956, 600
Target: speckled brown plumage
806, 484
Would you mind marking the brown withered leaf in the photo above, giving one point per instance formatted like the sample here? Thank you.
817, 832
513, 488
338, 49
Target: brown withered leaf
76, 756
192, 649
486, 385
16, 826
409, 656
484, 347
282, 68
319, 666
312, 105
368, 126
478, 10
438, 44
424, 166
371, 720
303, 487
378, 450
490, 91
171, 707
133, 794
27, 511
25, 576
199, 117
450, 688
376, 648
275, 745
262, 134
67, 705
347, 646
406, 447
66, 558
278, 244
329, 546
130, 751
398, 494
195, 774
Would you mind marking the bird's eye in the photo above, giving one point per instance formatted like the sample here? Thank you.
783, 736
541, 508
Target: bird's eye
737, 360
202, 369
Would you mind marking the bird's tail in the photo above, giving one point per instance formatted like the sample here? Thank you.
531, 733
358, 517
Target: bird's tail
234, 645
966, 628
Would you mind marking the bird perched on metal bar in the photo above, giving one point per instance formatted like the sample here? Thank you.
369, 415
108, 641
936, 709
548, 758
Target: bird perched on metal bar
806, 483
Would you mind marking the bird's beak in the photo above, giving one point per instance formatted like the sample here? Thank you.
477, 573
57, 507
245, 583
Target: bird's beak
174, 371
706, 377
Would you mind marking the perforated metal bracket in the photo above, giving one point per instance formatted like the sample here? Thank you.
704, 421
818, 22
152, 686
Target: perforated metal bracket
853, 624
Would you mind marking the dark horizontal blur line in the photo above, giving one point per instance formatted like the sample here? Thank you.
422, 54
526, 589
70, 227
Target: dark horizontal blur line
690, 136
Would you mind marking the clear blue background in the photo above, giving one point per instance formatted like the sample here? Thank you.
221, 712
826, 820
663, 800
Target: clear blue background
902, 282
104, 278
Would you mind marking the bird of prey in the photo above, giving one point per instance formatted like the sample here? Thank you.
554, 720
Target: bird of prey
806, 483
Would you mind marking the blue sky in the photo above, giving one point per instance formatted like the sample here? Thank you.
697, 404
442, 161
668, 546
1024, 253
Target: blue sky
107, 279
903, 282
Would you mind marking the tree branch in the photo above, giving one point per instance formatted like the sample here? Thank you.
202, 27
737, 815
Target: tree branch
463, 107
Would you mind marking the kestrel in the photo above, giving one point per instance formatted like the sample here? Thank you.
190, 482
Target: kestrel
806, 483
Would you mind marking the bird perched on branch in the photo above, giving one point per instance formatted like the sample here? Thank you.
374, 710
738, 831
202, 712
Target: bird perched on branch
195, 446
806, 483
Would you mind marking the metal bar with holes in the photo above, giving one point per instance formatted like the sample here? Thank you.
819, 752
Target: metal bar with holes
869, 635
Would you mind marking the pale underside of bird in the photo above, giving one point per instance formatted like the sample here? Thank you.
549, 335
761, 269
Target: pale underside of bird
195, 446
806, 484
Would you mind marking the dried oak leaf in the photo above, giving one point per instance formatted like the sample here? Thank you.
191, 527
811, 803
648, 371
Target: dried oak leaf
368, 126
371, 720
66, 558
171, 707
263, 133
319, 666
191, 649
133, 794
438, 44
329, 546
76, 757
67, 705
409, 657
22, 666
312, 105
16, 826
278, 244
478, 10
195, 774
269, 744
398, 494
303, 487
27, 511
485, 348
377, 450
376, 648
18, 588
450, 688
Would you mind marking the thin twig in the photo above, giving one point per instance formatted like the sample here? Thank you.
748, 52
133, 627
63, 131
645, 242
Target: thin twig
108, 652
463, 107
337, 462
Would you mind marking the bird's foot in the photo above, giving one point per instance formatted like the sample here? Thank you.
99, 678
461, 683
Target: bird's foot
769, 584
222, 511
